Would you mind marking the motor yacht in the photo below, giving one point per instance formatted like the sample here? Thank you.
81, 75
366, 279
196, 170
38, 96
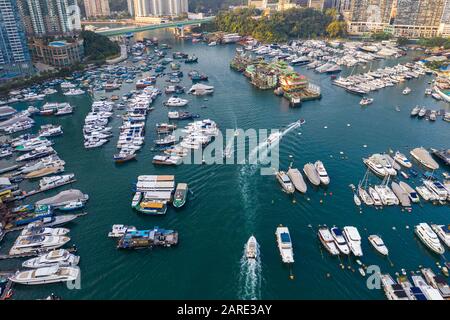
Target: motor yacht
406, 91
251, 248
176, 102
392, 289
60, 257
402, 159
37, 229
366, 101
437, 281
311, 173
424, 158
375, 197
50, 182
422, 112
437, 188
378, 244
429, 238
340, 241
387, 196
327, 240
365, 197
297, 180
33, 243
429, 292
285, 182
415, 111
375, 167
353, 239
322, 172
426, 194
443, 232
285, 244
46, 275
410, 192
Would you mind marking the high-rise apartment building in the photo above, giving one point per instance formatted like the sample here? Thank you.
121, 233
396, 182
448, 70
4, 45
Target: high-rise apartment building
96, 8
15, 58
147, 8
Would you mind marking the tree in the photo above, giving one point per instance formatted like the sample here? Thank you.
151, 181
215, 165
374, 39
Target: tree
402, 41
337, 29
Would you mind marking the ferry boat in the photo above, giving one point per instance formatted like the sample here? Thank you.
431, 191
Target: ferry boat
60, 257
327, 240
285, 182
180, 195
429, 238
378, 244
284, 244
138, 239
353, 239
322, 172
46, 275
251, 248
443, 232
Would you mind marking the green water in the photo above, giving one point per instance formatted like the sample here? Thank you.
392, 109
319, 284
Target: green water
231, 202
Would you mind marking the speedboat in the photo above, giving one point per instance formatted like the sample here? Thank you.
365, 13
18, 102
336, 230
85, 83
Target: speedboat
251, 248
323, 175
46, 275
443, 232
285, 244
176, 102
60, 257
297, 180
422, 112
429, 238
366, 101
285, 182
410, 191
327, 240
311, 173
353, 239
406, 91
274, 138
340, 241
402, 159
378, 244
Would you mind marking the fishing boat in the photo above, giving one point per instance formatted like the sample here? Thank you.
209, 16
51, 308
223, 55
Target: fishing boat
251, 248
353, 239
323, 175
378, 244
424, 158
46, 275
180, 196
119, 230
443, 232
60, 257
284, 244
297, 180
327, 240
311, 173
410, 191
285, 182
429, 238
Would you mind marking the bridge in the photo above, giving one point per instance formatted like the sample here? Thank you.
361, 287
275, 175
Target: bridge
173, 24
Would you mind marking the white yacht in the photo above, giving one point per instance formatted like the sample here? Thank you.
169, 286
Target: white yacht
402, 159
365, 197
118, 230
251, 248
33, 243
327, 240
46, 275
437, 281
322, 172
426, 194
176, 102
429, 238
340, 241
437, 188
378, 244
392, 289
73, 92
353, 239
375, 197
410, 192
38, 229
60, 257
285, 182
49, 182
387, 196
274, 138
443, 232
285, 244
375, 167
429, 292
407, 91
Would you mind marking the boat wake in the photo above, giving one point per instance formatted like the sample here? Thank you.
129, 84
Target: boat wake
250, 277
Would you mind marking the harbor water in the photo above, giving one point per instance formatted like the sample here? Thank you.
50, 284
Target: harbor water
229, 203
